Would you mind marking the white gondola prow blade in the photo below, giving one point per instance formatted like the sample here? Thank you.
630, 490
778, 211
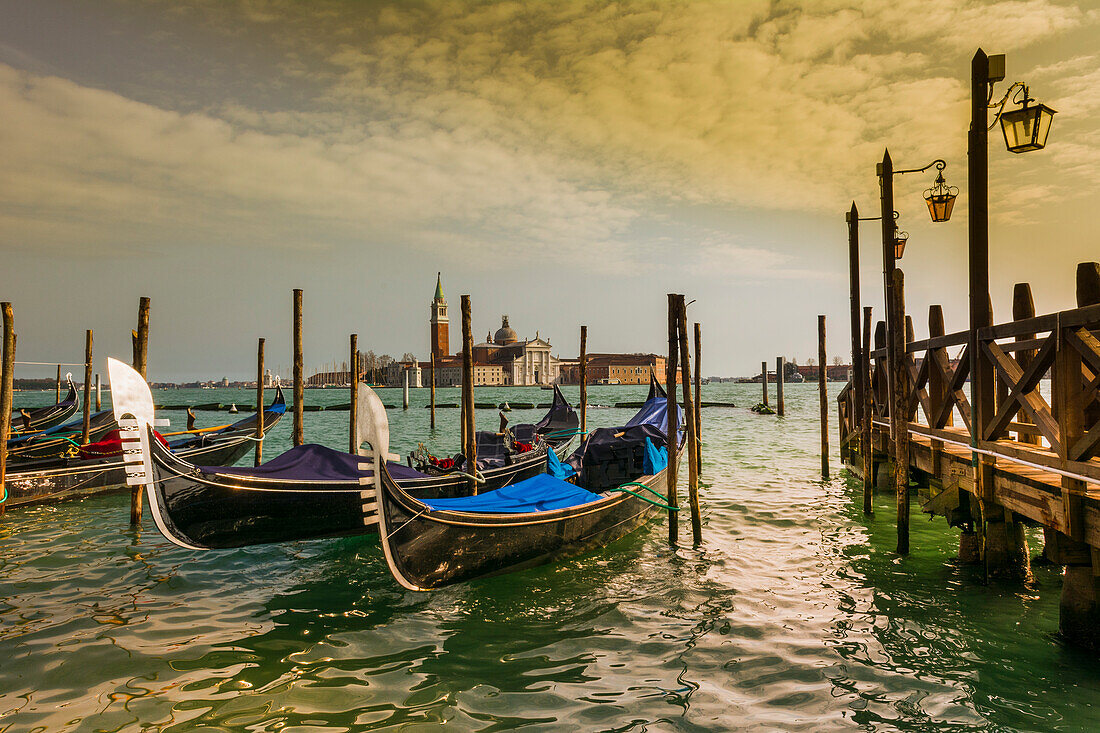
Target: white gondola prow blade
373, 426
132, 405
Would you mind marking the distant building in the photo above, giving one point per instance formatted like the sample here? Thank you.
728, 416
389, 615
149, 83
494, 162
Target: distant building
449, 373
267, 378
394, 374
440, 323
526, 362
833, 372
616, 369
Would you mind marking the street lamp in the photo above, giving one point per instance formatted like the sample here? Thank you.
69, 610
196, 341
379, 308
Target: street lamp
1026, 128
900, 238
940, 199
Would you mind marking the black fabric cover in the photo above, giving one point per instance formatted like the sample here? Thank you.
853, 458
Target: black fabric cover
610, 457
312, 462
524, 433
560, 417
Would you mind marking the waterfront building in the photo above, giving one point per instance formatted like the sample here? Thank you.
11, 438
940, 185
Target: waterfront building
449, 373
616, 369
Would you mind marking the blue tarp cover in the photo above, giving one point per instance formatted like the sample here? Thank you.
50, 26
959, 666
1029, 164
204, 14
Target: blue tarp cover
655, 459
556, 468
655, 412
311, 462
541, 493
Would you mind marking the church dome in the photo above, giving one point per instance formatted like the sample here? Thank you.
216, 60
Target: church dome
505, 335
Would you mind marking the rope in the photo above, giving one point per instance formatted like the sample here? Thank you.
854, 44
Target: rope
49, 363
644, 498
651, 490
562, 434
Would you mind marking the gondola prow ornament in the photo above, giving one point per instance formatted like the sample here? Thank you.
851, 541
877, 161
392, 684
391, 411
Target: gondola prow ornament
132, 405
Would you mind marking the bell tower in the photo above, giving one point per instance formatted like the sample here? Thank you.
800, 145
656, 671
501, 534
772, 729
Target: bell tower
441, 338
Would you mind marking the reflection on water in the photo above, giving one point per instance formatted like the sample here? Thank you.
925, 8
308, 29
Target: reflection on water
795, 614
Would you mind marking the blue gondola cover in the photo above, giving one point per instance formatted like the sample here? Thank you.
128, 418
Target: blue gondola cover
655, 459
540, 493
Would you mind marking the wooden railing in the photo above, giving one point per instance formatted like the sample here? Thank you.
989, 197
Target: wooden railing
1061, 433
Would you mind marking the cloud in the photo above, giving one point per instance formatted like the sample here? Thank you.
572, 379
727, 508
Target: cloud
720, 256
92, 166
491, 129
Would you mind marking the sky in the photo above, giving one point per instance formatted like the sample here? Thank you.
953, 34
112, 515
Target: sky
564, 163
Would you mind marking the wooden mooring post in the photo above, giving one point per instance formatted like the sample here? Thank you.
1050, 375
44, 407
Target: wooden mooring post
671, 427
353, 398
259, 457
432, 397
141, 361
867, 446
87, 407
780, 404
899, 383
584, 381
7, 385
299, 372
57, 397
698, 398
764, 380
98, 394
689, 419
823, 395
1079, 617
405, 390
469, 448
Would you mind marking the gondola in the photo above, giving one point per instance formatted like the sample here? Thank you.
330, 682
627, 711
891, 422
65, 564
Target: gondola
58, 440
309, 492
99, 467
44, 418
618, 484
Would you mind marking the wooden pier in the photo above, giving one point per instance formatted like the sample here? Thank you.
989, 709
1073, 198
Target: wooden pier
1031, 458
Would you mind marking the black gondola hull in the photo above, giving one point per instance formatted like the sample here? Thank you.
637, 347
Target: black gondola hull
75, 478
432, 549
57, 479
206, 511
44, 418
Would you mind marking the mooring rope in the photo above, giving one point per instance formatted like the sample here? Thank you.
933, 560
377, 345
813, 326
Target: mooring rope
644, 498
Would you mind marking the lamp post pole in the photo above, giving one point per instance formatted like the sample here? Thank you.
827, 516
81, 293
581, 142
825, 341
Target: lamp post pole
981, 369
857, 351
886, 206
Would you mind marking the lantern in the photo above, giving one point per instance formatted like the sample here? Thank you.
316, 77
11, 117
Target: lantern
900, 238
940, 199
1026, 128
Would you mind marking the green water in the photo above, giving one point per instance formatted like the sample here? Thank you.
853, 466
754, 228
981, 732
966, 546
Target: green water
794, 615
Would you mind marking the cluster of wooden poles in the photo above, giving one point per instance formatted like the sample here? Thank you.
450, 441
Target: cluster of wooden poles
678, 352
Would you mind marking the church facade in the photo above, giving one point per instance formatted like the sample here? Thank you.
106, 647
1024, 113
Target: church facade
523, 363
503, 359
